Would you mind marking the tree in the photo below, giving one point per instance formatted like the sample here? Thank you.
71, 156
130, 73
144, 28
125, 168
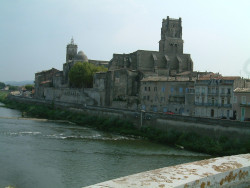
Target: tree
29, 87
81, 74
2, 85
13, 88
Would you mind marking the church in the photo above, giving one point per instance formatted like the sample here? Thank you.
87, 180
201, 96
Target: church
123, 84
130, 78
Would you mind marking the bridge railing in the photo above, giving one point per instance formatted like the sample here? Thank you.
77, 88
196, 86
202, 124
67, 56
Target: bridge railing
230, 171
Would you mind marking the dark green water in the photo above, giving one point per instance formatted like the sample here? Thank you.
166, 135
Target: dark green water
45, 154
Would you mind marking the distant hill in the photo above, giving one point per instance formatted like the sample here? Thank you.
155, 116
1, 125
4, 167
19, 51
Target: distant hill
20, 83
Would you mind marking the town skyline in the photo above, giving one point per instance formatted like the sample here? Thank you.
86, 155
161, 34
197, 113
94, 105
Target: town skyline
35, 34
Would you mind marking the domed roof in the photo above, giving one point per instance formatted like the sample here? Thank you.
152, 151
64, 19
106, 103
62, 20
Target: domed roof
81, 56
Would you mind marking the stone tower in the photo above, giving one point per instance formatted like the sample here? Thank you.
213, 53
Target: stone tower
171, 36
71, 50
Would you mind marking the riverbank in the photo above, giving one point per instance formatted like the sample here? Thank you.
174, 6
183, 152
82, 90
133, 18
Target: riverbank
219, 146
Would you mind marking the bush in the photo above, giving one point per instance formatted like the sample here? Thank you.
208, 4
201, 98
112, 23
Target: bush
191, 141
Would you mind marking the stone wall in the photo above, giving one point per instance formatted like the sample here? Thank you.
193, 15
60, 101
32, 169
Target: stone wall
202, 126
87, 96
230, 171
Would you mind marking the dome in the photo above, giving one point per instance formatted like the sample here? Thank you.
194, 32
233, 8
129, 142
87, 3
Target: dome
81, 56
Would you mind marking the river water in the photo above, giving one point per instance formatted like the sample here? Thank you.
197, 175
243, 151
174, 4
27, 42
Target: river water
44, 154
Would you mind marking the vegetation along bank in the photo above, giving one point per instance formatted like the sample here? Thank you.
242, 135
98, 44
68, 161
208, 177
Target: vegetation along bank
191, 141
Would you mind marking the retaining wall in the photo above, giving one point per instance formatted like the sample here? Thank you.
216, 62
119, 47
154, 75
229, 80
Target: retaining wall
202, 126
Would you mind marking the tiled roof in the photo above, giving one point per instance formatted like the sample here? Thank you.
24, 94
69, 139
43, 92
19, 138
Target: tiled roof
164, 79
216, 76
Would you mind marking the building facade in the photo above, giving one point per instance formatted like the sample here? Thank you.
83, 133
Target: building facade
214, 96
166, 94
241, 104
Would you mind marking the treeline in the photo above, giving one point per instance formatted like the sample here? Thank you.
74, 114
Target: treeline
2, 85
28, 87
191, 141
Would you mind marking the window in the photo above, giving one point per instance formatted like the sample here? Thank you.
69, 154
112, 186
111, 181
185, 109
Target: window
222, 100
222, 90
213, 90
155, 88
172, 90
209, 100
212, 100
163, 89
145, 89
162, 99
148, 98
197, 90
235, 99
228, 100
197, 99
148, 88
180, 90
203, 90
243, 99
228, 91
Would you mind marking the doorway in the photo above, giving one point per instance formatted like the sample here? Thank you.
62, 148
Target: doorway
212, 112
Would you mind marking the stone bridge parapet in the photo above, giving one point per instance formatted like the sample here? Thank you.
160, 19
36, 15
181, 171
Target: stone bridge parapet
230, 171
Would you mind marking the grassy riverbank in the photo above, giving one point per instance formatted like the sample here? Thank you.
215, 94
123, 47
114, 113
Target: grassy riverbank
190, 141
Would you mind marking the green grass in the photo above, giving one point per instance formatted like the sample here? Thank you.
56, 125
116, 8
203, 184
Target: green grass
191, 141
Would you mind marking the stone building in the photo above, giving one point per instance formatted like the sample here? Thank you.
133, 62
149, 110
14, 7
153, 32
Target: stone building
159, 81
214, 95
127, 72
168, 61
44, 79
72, 57
167, 94
241, 104
54, 84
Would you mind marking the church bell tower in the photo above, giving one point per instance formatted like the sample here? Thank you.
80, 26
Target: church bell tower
171, 36
71, 50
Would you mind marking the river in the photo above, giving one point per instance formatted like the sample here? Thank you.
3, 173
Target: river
44, 154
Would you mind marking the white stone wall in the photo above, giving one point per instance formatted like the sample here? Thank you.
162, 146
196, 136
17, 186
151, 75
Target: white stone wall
231, 171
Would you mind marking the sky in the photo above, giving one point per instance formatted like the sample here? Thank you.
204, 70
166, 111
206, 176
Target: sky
34, 33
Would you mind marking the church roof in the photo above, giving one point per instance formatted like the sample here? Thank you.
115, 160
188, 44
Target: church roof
179, 59
81, 56
166, 57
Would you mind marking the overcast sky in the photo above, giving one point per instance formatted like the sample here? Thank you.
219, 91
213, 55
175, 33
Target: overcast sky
34, 33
